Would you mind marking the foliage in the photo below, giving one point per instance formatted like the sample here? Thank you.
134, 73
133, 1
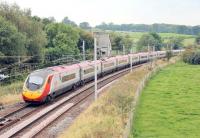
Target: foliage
149, 40
158, 28
11, 93
197, 40
169, 55
118, 40
89, 42
12, 42
62, 40
67, 21
169, 104
176, 43
85, 25
192, 56
48, 20
35, 37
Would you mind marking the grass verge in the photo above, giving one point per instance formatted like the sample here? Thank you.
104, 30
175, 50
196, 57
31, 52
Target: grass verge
107, 117
169, 105
10, 94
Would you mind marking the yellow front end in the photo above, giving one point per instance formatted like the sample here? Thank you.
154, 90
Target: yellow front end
31, 94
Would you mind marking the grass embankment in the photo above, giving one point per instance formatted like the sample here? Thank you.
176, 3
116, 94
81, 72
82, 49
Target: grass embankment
170, 105
11, 93
108, 116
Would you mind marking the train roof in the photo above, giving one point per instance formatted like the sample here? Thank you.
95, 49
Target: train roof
84, 64
122, 57
42, 72
108, 59
63, 68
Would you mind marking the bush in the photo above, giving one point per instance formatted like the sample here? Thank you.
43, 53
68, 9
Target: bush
192, 57
169, 55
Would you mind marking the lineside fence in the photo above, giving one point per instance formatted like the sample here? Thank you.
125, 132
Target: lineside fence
18, 67
138, 92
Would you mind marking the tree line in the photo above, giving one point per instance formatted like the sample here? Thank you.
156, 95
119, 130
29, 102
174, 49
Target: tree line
158, 28
22, 34
44, 39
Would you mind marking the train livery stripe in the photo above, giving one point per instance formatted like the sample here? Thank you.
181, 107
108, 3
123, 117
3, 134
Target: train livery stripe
46, 89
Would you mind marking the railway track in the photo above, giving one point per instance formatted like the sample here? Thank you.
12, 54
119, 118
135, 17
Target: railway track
33, 122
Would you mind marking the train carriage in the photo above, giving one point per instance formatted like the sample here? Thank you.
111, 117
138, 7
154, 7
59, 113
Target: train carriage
143, 57
68, 77
87, 70
152, 55
176, 52
135, 58
161, 54
122, 61
108, 65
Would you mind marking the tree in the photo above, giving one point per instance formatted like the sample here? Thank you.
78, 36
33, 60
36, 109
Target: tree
158, 28
48, 20
157, 41
12, 42
197, 39
85, 25
62, 40
152, 40
128, 43
116, 41
176, 43
36, 18
144, 41
88, 38
67, 21
35, 37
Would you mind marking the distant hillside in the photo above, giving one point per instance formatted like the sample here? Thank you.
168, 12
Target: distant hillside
158, 28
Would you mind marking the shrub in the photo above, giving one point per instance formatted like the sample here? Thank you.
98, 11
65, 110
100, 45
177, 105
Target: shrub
192, 57
169, 55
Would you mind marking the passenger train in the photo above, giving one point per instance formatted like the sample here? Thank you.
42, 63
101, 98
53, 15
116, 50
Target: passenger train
45, 84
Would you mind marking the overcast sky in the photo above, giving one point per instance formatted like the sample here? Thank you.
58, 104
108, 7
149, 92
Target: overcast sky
117, 11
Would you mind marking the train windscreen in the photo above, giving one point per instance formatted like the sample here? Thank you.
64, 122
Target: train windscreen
34, 83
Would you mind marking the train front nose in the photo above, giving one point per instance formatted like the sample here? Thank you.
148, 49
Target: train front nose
33, 87
31, 95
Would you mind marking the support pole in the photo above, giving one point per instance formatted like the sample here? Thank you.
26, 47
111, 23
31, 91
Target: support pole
83, 50
95, 69
123, 50
131, 63
171, 47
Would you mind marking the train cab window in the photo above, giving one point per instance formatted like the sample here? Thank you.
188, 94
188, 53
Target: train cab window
34, 83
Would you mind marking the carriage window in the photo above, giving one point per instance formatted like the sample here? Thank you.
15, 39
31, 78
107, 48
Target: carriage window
143, 56
90, 70
122, 61
68, 77
109, 65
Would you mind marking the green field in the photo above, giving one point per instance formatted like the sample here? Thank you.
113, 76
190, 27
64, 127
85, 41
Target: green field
187, 39
170, 105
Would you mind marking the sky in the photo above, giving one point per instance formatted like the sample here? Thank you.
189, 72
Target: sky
184, 12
